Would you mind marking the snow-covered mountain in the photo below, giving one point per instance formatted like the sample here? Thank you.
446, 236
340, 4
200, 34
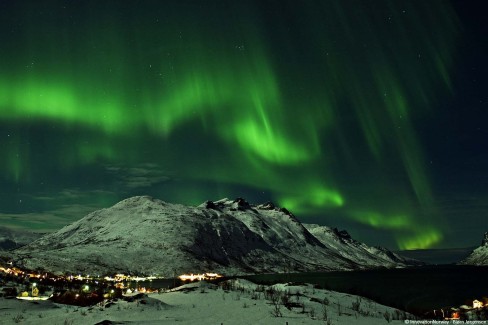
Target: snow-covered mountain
148, 236
13, 238
347, 247
480, 255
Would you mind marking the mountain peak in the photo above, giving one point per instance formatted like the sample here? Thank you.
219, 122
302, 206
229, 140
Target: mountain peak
266, 206
136, 200
342, 234
233, 205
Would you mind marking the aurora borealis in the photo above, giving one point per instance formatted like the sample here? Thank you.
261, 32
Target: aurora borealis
357, 114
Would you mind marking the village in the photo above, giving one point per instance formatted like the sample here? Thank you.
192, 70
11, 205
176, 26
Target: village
82, 290
90, 290
478, 310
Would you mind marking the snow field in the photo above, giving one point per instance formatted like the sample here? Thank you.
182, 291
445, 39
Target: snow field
235, 302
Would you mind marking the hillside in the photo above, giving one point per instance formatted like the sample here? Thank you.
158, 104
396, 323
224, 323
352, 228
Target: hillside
479, 256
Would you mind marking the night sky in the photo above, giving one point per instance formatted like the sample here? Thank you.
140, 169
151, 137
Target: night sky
365, 115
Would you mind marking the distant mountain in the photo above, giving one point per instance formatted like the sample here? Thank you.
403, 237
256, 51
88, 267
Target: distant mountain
479, 256
13, 238
439, 256
347, 247
148, 236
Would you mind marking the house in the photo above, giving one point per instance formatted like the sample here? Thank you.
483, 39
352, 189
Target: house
477, 304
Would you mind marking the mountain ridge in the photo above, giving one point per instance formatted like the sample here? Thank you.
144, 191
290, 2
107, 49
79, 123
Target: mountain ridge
149, 236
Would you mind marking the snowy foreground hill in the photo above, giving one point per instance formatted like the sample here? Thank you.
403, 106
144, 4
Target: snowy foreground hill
235, 302
144, 235
480, 255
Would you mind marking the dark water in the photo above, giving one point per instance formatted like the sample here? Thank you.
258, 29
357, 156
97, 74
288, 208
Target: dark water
416, 290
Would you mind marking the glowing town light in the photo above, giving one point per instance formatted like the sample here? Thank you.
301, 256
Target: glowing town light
33, 298
477, 304
199, 277
455, 315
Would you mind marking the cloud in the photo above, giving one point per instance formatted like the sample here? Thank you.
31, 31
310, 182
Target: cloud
58, 209
69, 194
46, 221
143, 175
53, 211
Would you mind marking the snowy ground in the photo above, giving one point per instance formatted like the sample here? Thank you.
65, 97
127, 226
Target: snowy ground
202, 303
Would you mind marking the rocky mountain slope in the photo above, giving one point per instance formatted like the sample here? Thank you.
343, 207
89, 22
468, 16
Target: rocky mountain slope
480, 255
347, 247
144, 235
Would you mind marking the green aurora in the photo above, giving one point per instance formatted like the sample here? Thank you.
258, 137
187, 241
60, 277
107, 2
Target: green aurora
316, 104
